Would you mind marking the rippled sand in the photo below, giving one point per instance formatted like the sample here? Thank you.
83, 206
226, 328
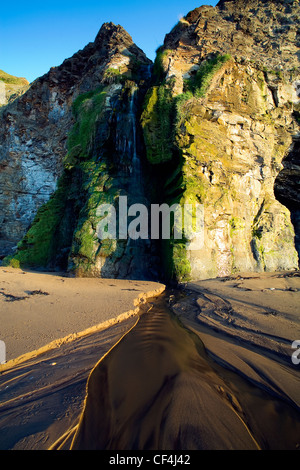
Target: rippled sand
159, 390
42, 397
155, 391
248, 323
214, 372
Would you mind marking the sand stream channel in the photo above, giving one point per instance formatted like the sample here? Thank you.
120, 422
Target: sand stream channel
157, 389
154, 388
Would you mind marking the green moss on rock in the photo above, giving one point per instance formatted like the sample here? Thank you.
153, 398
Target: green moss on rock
78, 191
200, 83
159, 63
157, 123
87, 110
163, 119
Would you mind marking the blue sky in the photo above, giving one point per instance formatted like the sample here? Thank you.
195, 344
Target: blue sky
37, 35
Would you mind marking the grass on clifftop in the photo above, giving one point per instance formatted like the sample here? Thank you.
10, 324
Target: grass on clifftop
12, 80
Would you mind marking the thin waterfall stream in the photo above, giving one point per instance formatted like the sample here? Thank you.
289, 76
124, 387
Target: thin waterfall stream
136, 247
136, 163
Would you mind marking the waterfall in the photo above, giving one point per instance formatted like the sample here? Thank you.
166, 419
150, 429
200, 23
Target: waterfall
135, 162
136, 249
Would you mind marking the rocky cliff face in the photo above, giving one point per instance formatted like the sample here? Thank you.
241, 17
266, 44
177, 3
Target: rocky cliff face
217, 123
54, 142
229, 75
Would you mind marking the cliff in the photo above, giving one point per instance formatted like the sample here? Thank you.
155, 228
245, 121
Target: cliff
217, 123
229, 75
66, 146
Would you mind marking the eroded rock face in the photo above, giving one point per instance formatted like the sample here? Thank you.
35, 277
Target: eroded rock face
232, 72
34, 128
237, 139
220, 123
262, 32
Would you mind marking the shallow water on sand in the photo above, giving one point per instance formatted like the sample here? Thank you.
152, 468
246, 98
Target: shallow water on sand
158, 390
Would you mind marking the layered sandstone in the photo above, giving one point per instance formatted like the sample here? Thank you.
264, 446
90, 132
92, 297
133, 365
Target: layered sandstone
232, 74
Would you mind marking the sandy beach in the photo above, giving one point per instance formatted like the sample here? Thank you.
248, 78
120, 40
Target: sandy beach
41, 310
248, 323
204, 367
56, 329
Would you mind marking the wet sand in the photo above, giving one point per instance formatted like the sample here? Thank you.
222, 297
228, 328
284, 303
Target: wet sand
215, 374
42, 397
158, 389
248, 323
56, 329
